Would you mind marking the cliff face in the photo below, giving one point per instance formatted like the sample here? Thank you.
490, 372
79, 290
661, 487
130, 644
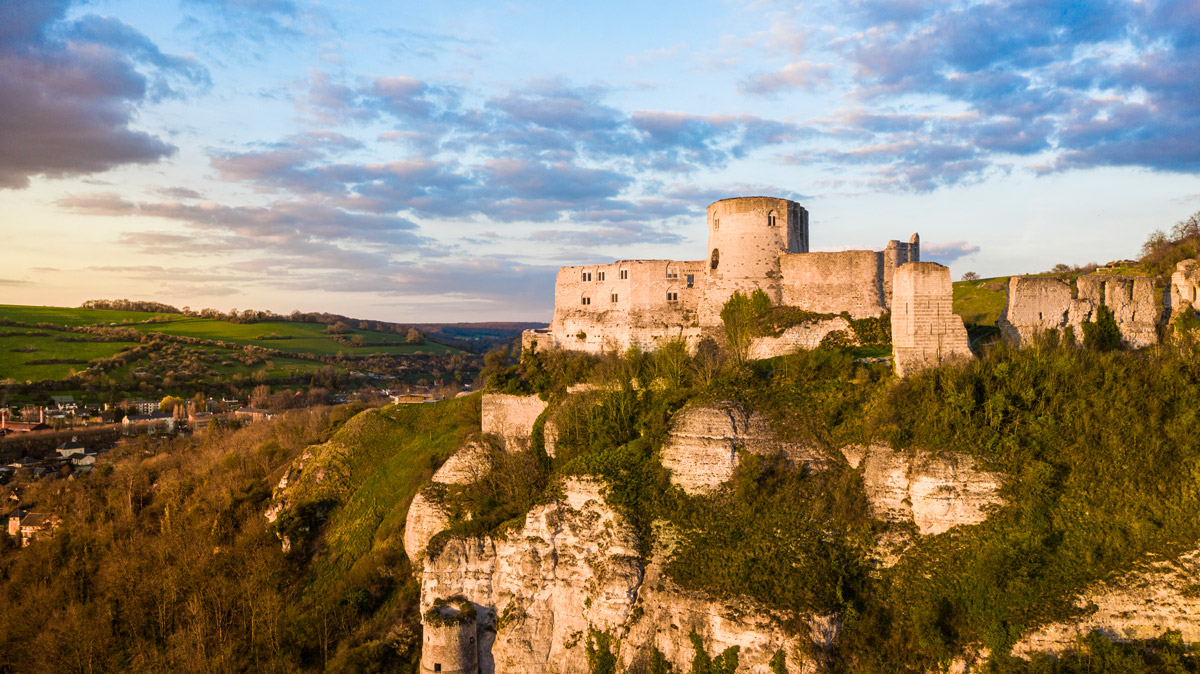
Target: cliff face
930, 492
1142, 604
574, 564
701, 451
426, 516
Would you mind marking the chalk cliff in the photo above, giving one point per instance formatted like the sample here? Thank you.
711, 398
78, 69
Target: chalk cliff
575, 564
1142, 604
701, 450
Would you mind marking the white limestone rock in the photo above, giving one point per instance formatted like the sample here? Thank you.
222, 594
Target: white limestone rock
701, 450
1141, 604
932, 492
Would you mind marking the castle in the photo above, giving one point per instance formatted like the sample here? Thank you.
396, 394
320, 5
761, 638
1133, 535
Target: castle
754, 243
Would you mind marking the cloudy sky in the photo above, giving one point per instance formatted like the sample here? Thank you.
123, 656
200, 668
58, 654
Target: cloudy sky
430, 161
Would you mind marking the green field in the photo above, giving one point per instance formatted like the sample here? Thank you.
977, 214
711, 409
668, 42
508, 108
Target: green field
981, 302
77, 317
14, 360
301, 337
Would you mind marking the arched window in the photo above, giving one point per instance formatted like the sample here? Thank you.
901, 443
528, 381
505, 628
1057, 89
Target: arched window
771, 219
716, 258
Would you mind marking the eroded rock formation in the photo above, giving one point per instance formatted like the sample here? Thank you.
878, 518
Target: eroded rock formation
1141, 604
701, 450
575, 564
932, 492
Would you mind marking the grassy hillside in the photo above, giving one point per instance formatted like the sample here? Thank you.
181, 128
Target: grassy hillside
980, 302
21, 351
77, 317
291, 337
90, 350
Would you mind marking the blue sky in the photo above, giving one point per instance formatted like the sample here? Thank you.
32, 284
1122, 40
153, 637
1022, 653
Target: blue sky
439, 161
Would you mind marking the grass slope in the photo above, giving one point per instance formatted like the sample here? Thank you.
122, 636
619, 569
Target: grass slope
369, 472
76, 317
981, 302
15, 359
300, 337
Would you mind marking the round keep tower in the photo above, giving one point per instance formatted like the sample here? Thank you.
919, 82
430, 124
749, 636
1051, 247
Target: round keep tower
448, 640
745, 237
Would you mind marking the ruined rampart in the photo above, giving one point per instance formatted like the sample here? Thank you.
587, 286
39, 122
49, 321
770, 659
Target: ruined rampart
1038, 304
511, 418
830, 283
925, 330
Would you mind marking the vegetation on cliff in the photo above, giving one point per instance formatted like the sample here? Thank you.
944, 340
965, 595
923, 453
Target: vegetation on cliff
165, 562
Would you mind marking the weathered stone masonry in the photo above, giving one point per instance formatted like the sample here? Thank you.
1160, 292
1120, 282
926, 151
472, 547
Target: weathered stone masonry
754, 243
1038, 304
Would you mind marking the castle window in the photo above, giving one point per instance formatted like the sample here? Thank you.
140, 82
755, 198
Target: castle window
716, 224
672, 273
771, 219
624, 274
585, 301
672, 297
600, 276
585, 276
691, 279
614, 297
437, 666
716, 258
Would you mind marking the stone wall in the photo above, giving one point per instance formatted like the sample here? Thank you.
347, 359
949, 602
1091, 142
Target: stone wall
804, 336
629, 302
830, 283
701, 449
895, 254
511, 418
925, 330
1038, 304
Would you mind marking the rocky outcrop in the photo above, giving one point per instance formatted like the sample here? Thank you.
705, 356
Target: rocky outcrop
932, 492
701, 451
806, 335
925, 330
427, 517
1038, 304
511, 418
1142, 604
669, 614
575, 565
1185, 288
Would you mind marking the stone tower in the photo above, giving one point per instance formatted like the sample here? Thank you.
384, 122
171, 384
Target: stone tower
745, 238
448, 643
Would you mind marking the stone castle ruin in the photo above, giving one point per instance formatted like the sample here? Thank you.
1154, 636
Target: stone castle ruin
1038, 304
754, 243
